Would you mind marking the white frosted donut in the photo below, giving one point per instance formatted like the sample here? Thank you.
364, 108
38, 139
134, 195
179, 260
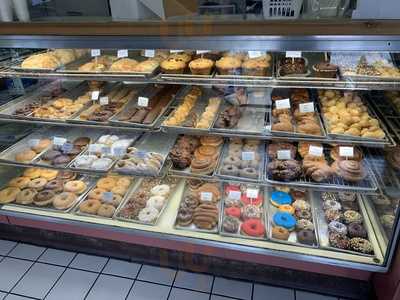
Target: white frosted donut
160, 190
101, 163
156, 201
85, 161
148, 214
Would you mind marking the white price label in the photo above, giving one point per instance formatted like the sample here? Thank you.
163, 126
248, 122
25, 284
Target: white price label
104, 100
284, 154
95, 52
252, 193
248, 155
293, 54
95, 148
175, 51
95, 95
118, 151
202, 51
106, 150
107, 197
122, 53
206, 196
315, 150
306, 107
234, 195
268, 128
149, 53
143, 101
67, 147
346, 151
282, 104
59, 141
33, 142
255, 54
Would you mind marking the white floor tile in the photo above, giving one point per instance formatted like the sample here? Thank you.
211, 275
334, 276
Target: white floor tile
110, 287
88, 262
148, 291
121, 268
57, 257
232, 288
179, 294
311, 296
264, 292
26, 251
6, 246
12, 270
193, 281
157, 274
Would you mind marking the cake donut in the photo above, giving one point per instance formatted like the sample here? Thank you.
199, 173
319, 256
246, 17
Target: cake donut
253, 227
75, 186
44, 198
37, 183
331, 204
357, 230
251, 212
233, 211
156, 202
301, 205
285, 220
106, 210
306, 237
304, 224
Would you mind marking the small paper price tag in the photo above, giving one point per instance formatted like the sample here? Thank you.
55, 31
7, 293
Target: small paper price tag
293, 54
95, 52
175, 51
346, 151
33, 142
118, 151
143, 101
107, 197
306, 107
202, 51
284, 154
248, 155
95, 95
67, 147
255, 54
206, 196
252, 193
106, 150
95, 148
122, 53
268, 128
149, 53
59, 141
315, 150
103, 100
282, 104
234, 195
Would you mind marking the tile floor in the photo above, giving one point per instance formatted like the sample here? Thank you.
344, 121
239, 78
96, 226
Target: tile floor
32, 272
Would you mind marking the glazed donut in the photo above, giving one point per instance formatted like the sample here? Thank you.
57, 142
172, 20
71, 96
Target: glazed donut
161, 190
75, 186
96, 193
156, 201
286, 208
25, 196
120, 190
232, 160
285, 220
148, 214
25, 156
44, 198
48, 174
230, 170
42, 145
37, 184
90, 206
249, 173
32, 173
233, 211
106, 183
280, 233
8, 194
124, 181
19, 182
106, 210
116, 200
64, 200
253, 227
55, 185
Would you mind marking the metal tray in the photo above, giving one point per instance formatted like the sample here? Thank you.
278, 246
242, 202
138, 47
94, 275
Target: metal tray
186, 76
261, 152
89, 180
323, 227
77, 211
151, 142
264, 218
292, 240
137, 189
193, 227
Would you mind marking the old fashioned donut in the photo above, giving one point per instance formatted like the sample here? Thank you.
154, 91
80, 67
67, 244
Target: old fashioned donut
106, 183
106, 210
44, 198
8, 194
96, 193
48, 174
32, 173
90, 206
64, 200
19, 182
75, 186
37, 183
253, 227
26, 196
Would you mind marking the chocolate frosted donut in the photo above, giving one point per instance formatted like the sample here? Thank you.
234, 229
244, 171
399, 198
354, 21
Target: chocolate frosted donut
50, 155
231, 224
284, 170
61, 160
357, 230
306, 237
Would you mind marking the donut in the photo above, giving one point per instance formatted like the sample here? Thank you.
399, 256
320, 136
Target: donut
96, 193
75, 186
361, 245
185, 216
351, 216
25, 196
32, 173
250, 201
156, 201
284, 220
81, 141
102, 163
119, 190
44, 198
230, 170
61, 160
233, 211
64, 200
331, 204
8, 194
37, 183
344, 196
106, 183
25, 156
249, 173
55, 185
90, 206
148, 215
301, 204
306, 237
251, 212
42, 145
66, 175
303, 214
333, 215
232, 160
253, 227
19, 182
298, 194
280, 198
286, 208
304, 224
50, 155
230, 224
337, 227
357, 230
338, 240
124, 181
48, 174
106, 210
160, 190
280, 233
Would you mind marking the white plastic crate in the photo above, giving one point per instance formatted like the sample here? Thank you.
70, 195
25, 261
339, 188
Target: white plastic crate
282, 9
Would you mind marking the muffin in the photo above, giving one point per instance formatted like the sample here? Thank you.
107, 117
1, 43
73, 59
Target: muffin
183, 56
325, 70
201, 66
255, 66
173, 66
236, 54
228, 65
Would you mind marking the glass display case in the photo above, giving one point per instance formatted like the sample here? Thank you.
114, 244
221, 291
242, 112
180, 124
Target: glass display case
269, 145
